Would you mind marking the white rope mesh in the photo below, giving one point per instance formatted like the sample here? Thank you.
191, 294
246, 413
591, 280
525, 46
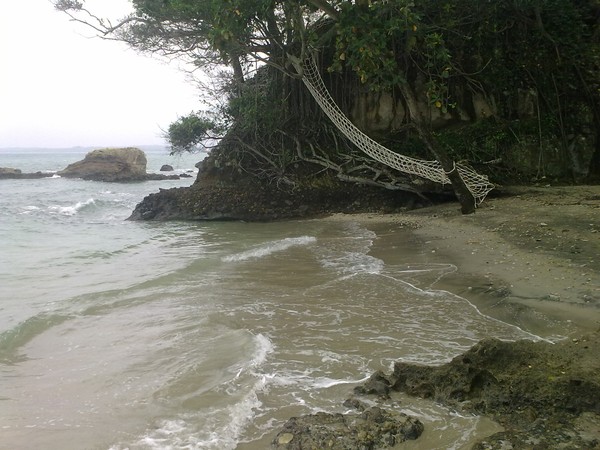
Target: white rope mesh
477, 184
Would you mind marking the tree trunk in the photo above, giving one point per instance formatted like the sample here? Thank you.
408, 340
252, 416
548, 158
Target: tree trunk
238, 71
593, 175
464, 196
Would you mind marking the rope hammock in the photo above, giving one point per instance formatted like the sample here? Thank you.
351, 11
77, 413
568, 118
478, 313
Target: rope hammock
478, 185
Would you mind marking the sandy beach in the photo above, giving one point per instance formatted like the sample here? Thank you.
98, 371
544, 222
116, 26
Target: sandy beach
529, 255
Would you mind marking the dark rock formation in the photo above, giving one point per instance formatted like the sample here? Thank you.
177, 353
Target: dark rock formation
221, 194
109, 164
166, 168
546, 395
17, 174
9, 171
114, 165
374, 428
377, 384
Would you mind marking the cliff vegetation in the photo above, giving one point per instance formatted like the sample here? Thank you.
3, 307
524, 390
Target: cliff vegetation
509, 88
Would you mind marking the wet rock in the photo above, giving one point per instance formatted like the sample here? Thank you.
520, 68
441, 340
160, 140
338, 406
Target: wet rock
545, 395
109, 164
7, 173
160, 176
166, 168
377, 384
375, 428
222, 194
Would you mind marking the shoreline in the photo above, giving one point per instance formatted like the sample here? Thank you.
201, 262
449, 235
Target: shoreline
531, 258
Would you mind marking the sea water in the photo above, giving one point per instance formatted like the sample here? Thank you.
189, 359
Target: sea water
189, 335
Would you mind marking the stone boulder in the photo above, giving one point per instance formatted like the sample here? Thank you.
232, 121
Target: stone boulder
166, 168
374, 428
109, 164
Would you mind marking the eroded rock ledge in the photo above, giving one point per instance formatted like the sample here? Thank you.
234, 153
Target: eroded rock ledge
373, 428
224, 194
546, 396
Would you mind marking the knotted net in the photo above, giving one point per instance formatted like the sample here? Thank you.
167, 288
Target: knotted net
478, 185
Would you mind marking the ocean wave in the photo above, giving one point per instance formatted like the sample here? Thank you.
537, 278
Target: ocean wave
221, 425
350, 263
269, 248
348, 254
29, 209
12, 340
72, 209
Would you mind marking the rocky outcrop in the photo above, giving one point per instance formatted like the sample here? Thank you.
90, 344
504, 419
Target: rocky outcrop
17, 174
109, 164
114, 165
9, 171
545, 395
374, 428
166, 168
222, 194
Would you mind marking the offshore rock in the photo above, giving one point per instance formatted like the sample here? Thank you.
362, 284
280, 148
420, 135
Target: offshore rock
109, 164
166, 168
9, 171
374, 428
16, 174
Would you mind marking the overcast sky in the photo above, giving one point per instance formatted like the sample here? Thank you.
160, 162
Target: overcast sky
61, 88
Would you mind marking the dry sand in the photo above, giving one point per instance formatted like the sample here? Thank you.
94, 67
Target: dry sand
529, 255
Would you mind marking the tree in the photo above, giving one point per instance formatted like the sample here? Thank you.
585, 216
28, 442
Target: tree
433, 53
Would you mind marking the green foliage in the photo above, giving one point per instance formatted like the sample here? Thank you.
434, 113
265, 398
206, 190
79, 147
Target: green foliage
535, 62
188, 132
368, 38
257, 105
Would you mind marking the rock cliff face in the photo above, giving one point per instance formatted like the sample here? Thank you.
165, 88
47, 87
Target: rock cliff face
109, 164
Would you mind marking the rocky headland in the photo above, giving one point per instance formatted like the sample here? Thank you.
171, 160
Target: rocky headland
221, 193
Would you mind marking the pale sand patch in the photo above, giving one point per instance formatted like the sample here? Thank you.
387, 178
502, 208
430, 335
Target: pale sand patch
531, 258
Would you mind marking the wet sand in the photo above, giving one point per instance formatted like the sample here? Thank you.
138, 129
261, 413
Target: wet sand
528, 256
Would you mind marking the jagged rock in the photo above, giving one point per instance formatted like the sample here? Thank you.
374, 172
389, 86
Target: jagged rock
377, 384
540, 392
166, 168
375, 428
109, 164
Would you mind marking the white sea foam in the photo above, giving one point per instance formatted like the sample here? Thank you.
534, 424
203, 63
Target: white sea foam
348, 255
29, 209
269, 248
72, 209
350, 263
214, 428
